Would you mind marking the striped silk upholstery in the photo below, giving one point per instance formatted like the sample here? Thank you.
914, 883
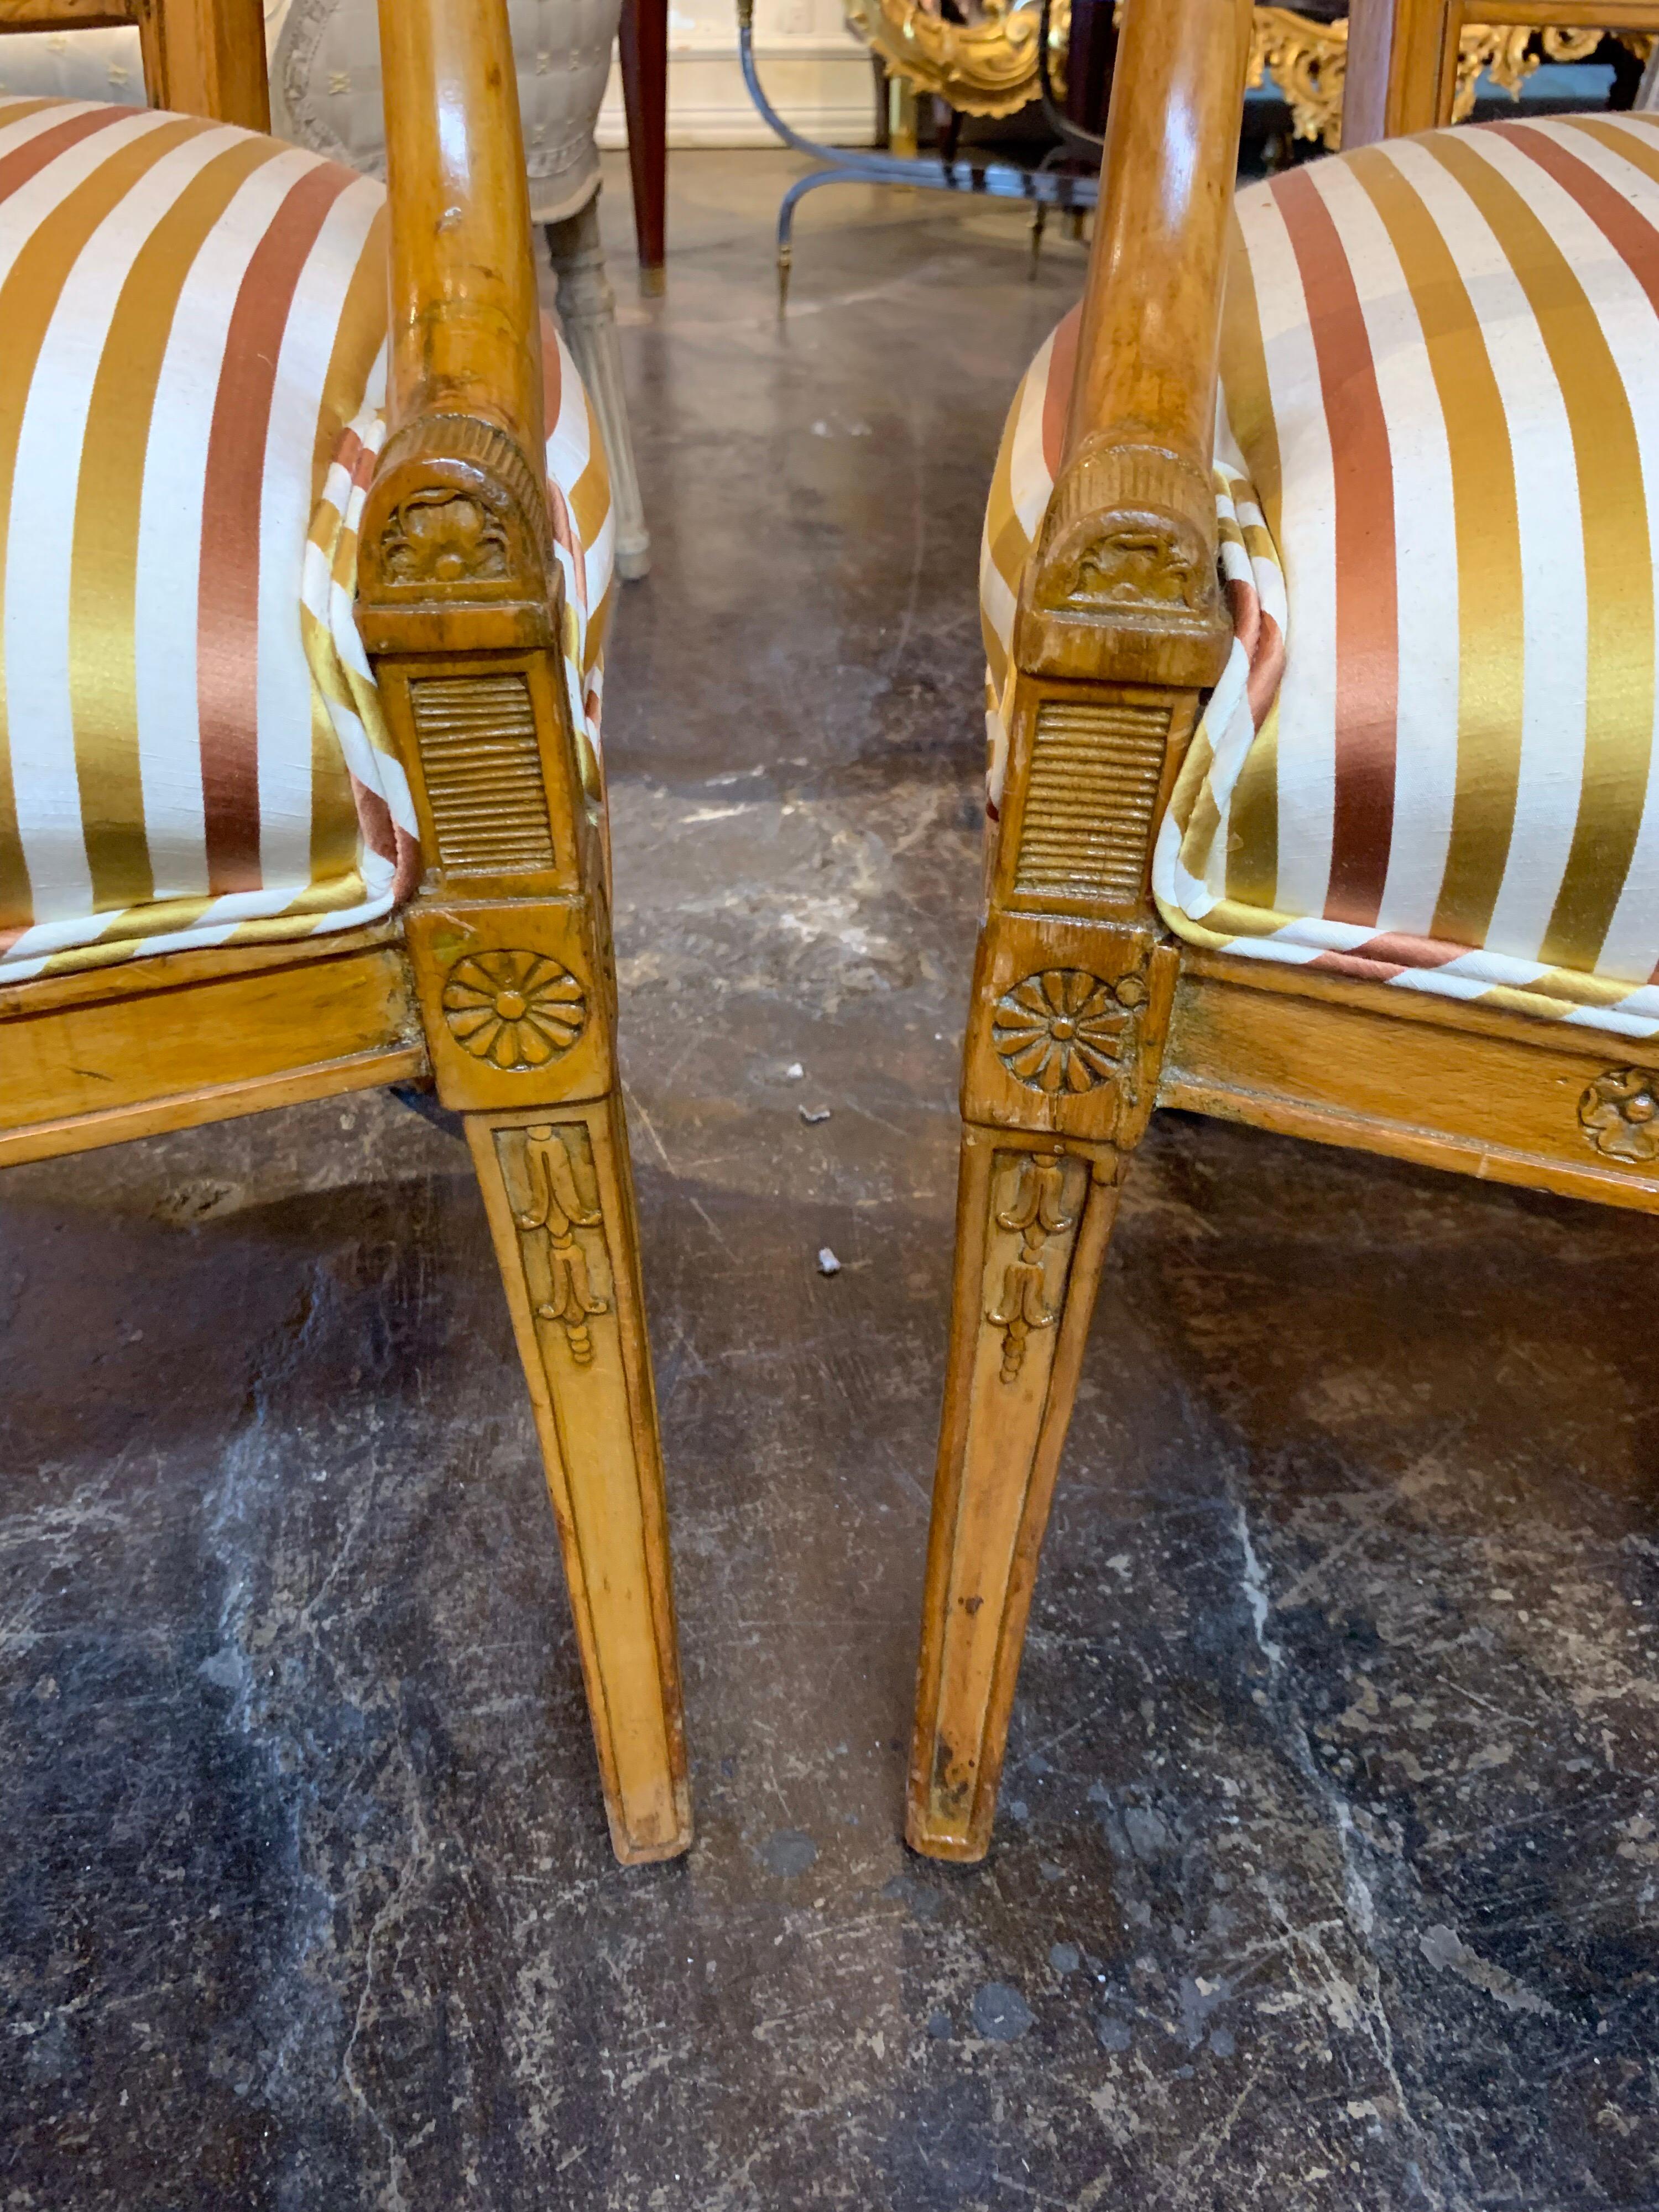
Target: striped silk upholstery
193, 339
1431, 761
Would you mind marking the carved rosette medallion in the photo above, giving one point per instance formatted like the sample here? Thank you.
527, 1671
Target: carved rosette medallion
519, 1010
1036, 1213
442, 537
1619, 1114
550, 1222
1065, 1030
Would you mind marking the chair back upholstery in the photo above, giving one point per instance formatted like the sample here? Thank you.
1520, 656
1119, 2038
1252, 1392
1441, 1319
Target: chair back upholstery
200, 57
1402, 54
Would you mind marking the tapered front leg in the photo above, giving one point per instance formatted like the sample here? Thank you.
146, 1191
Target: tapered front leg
460, 607
1071, 1009
559, 1193
1063, 1055
1033, 1222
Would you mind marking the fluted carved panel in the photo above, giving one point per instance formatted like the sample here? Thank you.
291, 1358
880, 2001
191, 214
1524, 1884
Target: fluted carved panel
484, 773
1088, 805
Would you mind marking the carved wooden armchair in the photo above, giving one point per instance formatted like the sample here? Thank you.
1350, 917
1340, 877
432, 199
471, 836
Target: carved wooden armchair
1323, 719
279, 652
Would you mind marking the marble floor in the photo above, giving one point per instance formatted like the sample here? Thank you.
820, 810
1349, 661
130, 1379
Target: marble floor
1326, 1870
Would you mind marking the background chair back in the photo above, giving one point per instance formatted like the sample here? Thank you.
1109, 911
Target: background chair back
200, 57
1402, 54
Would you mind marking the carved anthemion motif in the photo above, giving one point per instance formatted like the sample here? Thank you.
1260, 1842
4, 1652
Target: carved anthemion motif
519, 1010
1065, 1030
1038, 1212
1129, 535
455, 503
552, 1217
1619, 1114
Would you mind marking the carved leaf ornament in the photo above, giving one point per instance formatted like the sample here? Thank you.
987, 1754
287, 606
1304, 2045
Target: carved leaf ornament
556, 1212
1065, 1030
517, 1010
1037, 1212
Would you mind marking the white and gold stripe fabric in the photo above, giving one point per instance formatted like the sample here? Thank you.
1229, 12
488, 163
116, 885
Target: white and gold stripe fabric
1431, 761
192, 335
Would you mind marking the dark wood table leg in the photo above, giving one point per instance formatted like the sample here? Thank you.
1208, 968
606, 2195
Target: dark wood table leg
642, 42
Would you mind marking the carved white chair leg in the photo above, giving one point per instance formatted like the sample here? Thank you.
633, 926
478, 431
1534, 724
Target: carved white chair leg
588, 312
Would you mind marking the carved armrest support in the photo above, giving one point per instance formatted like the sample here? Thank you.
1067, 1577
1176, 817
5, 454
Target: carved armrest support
1123, 586
461, 609
457, 543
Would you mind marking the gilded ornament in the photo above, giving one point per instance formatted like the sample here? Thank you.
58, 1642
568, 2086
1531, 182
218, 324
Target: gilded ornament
989, 66
519, 1010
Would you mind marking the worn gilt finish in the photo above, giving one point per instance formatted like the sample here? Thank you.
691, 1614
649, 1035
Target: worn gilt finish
498, 985
1308, 62
990, 66
1405, 67
1084, 1015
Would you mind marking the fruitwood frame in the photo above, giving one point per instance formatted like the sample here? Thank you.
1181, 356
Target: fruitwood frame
472, 674
1110, 670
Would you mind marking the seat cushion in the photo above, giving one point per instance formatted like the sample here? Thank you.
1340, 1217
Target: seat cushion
191, 748
1431, 761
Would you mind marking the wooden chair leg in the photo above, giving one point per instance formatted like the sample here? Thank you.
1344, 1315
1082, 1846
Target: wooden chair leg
642, 45
588, 312
1033, 1220
559, 1193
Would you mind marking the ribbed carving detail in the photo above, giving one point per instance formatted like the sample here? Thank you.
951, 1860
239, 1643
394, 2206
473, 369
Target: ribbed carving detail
484, 773
1088, 820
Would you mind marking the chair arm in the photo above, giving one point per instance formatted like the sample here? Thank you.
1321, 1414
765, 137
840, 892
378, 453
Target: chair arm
457, 522
1123, 584
459, 598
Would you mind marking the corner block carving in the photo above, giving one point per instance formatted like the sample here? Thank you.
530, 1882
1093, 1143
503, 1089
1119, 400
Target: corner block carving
519, 1010
557, 1267
1036, 1213
1619, 1114
1065, 1030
